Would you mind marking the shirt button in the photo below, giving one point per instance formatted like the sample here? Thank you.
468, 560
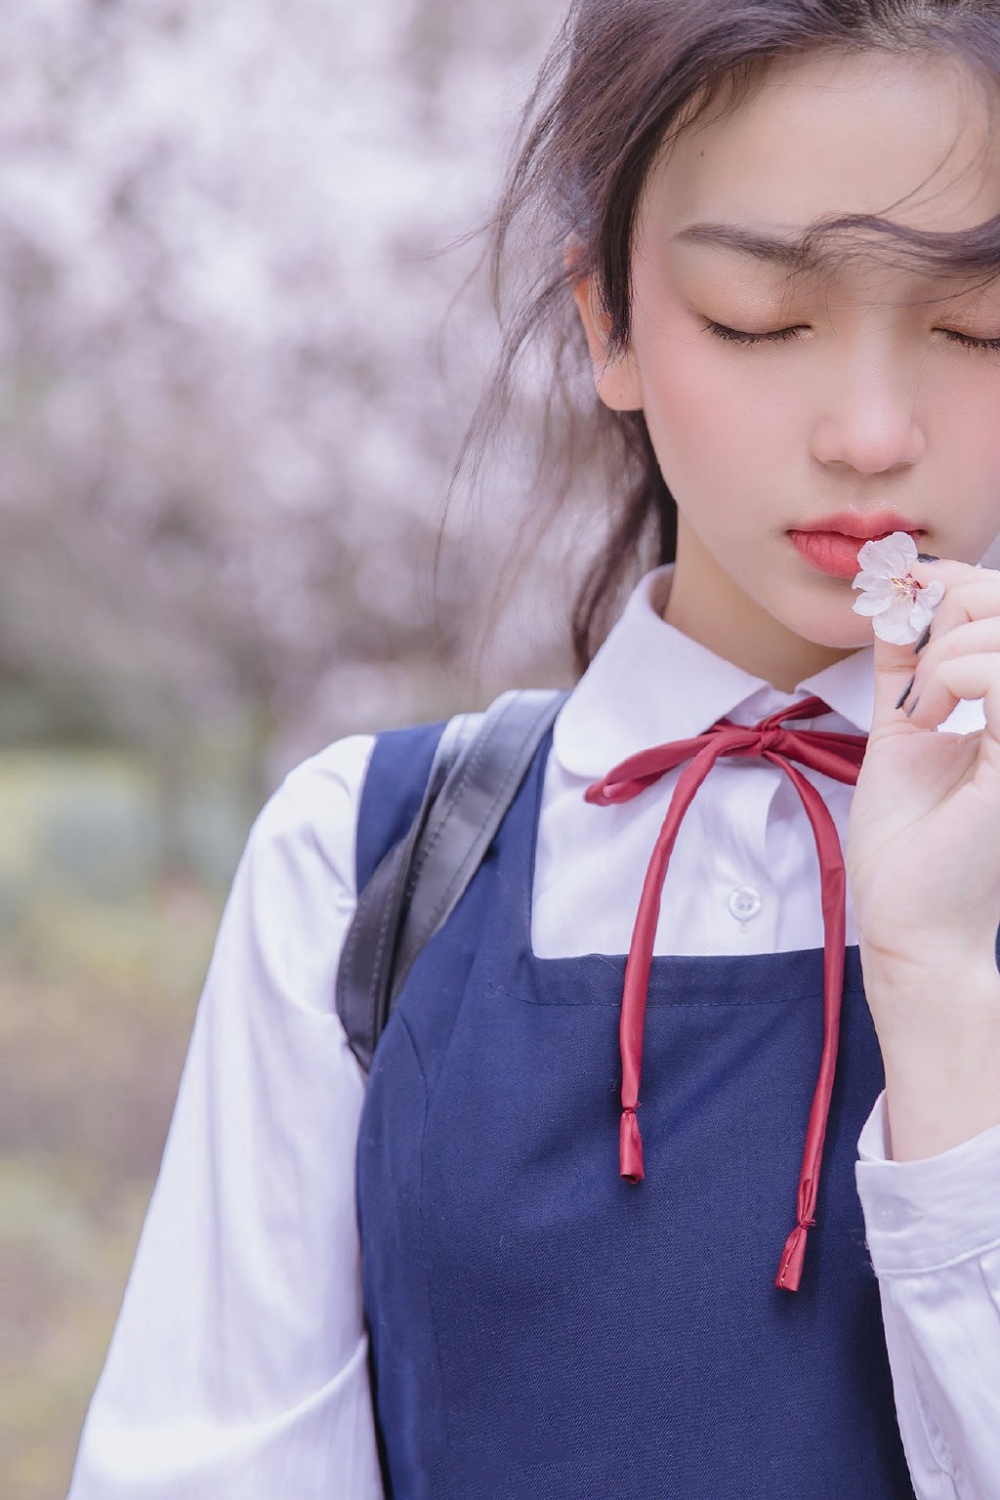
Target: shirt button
745, 903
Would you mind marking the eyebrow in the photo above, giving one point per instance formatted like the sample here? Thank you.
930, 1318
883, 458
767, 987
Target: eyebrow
751, 242
807, 251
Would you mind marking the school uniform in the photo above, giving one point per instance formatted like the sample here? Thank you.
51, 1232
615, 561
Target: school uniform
540, 1326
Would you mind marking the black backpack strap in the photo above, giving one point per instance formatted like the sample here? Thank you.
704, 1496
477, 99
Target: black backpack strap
364, 977
465, 816
474, 777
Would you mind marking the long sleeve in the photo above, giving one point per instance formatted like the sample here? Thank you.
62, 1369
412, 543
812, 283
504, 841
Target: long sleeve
238, 1367
933, 1230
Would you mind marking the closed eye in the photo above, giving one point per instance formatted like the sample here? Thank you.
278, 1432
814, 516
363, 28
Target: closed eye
740, 336
969, 341
783, 335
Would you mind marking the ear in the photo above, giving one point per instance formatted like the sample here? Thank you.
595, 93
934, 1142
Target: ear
615, 375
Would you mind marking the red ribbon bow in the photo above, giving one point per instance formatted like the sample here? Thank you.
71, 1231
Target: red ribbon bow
836, 755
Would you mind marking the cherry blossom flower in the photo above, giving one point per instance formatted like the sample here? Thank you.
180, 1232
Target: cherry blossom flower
899, 606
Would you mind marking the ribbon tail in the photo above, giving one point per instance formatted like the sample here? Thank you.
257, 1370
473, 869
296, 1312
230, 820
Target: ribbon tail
833, 880
792, 1259
640, 956
630, 1147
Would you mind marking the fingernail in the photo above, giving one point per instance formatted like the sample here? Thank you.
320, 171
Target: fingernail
909, 711
905, 693
919, 645
927, 557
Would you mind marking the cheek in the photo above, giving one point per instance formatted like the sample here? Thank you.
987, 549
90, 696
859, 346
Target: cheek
963, 450
715, 431
964, 422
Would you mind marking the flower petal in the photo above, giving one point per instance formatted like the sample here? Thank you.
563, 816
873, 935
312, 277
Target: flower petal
894, 626
919, 616
873, 583
869, 604
891, 557
923, 607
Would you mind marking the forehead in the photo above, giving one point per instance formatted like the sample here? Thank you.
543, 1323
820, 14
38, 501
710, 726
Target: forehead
906, 137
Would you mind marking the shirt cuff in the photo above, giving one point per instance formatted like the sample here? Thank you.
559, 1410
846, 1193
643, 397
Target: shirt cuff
923, 1215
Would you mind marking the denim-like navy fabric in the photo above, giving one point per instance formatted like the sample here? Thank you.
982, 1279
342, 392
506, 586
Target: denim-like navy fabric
543, 1330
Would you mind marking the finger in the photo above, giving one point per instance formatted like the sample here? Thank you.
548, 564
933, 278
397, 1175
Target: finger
972, 638
971, 676
969, 592
966, 598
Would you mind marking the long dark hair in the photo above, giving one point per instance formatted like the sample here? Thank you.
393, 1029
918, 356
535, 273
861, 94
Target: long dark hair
621, 78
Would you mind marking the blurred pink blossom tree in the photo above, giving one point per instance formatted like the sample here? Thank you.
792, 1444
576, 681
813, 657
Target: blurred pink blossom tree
226, 427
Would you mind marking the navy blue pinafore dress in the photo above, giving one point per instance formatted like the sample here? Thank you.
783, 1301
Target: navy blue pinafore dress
540, 1328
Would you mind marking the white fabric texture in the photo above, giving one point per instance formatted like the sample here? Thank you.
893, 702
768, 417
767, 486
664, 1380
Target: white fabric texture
238, 1365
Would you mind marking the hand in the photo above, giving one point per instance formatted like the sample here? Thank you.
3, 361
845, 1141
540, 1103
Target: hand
923, 857
924, 836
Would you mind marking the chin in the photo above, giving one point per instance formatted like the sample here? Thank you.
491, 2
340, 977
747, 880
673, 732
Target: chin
838, 635
836, 626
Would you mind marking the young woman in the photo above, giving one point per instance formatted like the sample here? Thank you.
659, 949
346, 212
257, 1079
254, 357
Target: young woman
777, 225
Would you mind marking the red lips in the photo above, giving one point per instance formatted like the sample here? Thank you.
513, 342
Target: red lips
832, 544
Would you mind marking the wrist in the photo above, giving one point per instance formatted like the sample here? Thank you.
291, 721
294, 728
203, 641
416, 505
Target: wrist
939, 1032
916, 981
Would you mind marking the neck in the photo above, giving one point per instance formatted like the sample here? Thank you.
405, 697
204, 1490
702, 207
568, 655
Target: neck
711, 609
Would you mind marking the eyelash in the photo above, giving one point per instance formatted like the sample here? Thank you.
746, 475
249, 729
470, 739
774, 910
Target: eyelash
736, 336
783, 335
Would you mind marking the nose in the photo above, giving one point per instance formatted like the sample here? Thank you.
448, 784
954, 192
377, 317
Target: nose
868, 419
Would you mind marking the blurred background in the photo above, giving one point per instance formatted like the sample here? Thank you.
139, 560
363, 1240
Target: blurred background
238, 359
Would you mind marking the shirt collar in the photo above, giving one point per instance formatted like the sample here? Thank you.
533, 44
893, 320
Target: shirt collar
650, 684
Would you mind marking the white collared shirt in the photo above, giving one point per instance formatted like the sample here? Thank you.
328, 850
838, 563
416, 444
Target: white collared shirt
238, 1366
